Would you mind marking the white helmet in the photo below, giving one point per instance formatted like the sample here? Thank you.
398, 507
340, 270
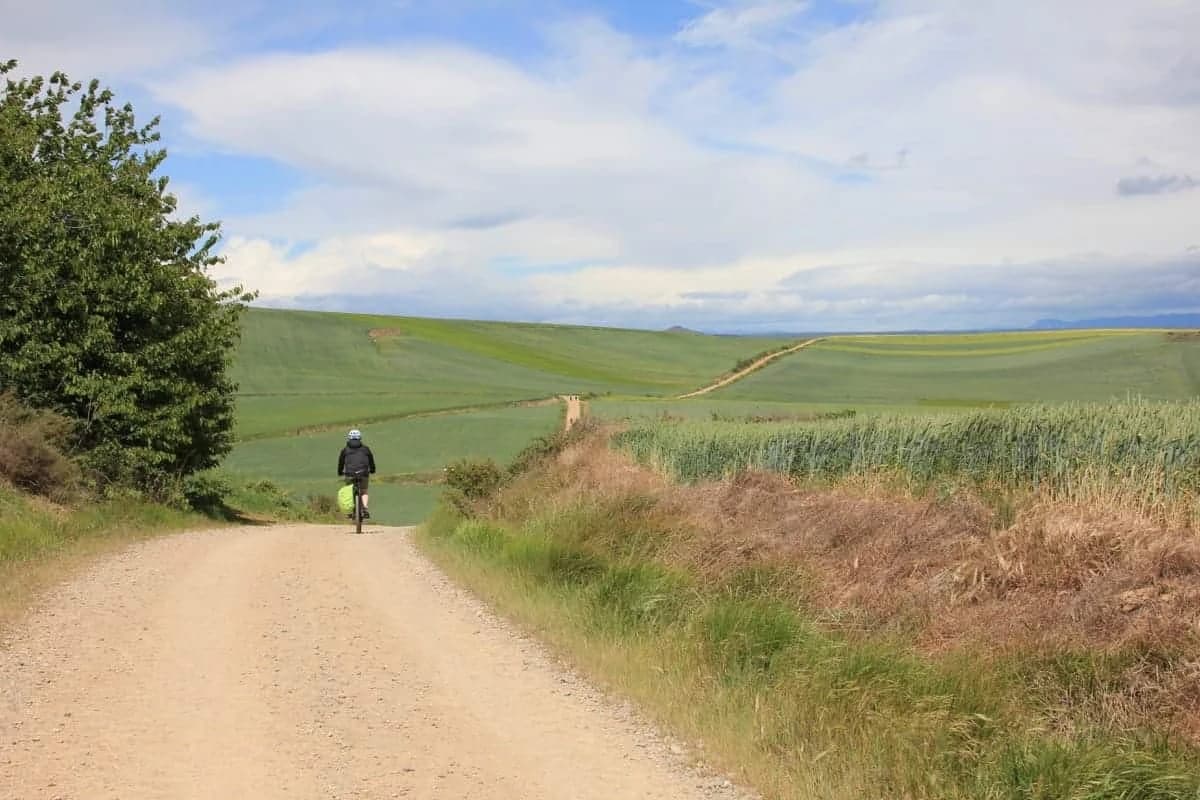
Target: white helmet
354, 435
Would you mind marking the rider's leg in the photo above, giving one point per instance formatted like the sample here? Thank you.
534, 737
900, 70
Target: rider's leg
365, 503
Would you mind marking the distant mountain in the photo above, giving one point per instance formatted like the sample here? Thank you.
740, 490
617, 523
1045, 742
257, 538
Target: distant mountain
1153, 321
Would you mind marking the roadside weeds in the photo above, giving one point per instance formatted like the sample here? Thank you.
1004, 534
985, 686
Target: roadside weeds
850, 641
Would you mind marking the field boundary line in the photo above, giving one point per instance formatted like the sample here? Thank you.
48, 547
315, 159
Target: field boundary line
757, 365
426, 478
429, 412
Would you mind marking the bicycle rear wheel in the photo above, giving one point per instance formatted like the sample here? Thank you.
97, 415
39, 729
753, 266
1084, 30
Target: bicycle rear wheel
358, 509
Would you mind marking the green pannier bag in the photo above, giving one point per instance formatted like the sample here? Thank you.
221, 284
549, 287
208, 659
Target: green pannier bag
345, 498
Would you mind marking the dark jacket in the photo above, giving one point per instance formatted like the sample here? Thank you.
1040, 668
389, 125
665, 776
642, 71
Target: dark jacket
355, 457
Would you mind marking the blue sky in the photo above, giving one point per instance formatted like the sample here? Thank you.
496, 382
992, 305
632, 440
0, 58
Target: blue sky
722, 164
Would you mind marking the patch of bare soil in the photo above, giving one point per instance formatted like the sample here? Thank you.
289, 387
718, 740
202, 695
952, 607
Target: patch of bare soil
380, 334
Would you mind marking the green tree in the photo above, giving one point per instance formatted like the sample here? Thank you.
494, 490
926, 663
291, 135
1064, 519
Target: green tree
107, 312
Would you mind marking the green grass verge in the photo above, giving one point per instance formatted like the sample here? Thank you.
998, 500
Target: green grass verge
32, 528
790, 708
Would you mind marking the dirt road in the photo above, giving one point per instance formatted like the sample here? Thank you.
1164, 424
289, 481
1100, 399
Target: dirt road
302, 662
574, 411
757, 365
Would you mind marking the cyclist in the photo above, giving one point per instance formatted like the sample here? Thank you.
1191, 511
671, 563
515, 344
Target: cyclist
356, 457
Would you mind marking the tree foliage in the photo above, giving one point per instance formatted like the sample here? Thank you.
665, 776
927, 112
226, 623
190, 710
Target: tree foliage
107, 312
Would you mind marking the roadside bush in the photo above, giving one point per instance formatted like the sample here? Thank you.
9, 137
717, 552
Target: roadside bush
207, 493
540, 448
550, 445
475, 478
264, 499
456, 503
32, 449
323, 505
446, 516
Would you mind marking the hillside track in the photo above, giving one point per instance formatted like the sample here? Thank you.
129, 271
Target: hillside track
304, 662
574, 411
755, 367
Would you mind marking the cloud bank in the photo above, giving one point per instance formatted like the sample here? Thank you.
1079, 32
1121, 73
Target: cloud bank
769, 164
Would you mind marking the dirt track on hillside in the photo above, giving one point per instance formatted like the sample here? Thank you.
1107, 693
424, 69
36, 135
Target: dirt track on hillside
742, 373
574, 411
303, 662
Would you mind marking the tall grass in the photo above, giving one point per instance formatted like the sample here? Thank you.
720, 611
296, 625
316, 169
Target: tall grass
31, 529
789, 707
1146, 451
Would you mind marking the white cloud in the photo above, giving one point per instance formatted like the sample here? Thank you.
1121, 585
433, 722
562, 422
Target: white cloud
334, 264
741, 24
114, 39
906, 149
881, 293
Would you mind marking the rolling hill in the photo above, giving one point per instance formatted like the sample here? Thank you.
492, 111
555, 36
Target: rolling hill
946, 371
299, 369
427, 392
430, 391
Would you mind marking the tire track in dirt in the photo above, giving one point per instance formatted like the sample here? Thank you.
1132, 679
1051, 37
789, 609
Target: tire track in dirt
757, 365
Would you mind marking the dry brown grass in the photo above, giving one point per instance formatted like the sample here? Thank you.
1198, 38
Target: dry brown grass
1062, 577
33, 445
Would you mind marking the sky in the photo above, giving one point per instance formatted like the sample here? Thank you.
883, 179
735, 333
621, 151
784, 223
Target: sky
726, 165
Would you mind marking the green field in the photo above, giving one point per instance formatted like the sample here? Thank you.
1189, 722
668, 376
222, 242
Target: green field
943, 373
1144, 451
300, 369
712, 407
305, 377
409, 453
1006, 417
948, 371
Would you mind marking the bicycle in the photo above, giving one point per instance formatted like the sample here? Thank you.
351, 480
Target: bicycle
356, 479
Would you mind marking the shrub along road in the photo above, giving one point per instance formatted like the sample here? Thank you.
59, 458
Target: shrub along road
299, 662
